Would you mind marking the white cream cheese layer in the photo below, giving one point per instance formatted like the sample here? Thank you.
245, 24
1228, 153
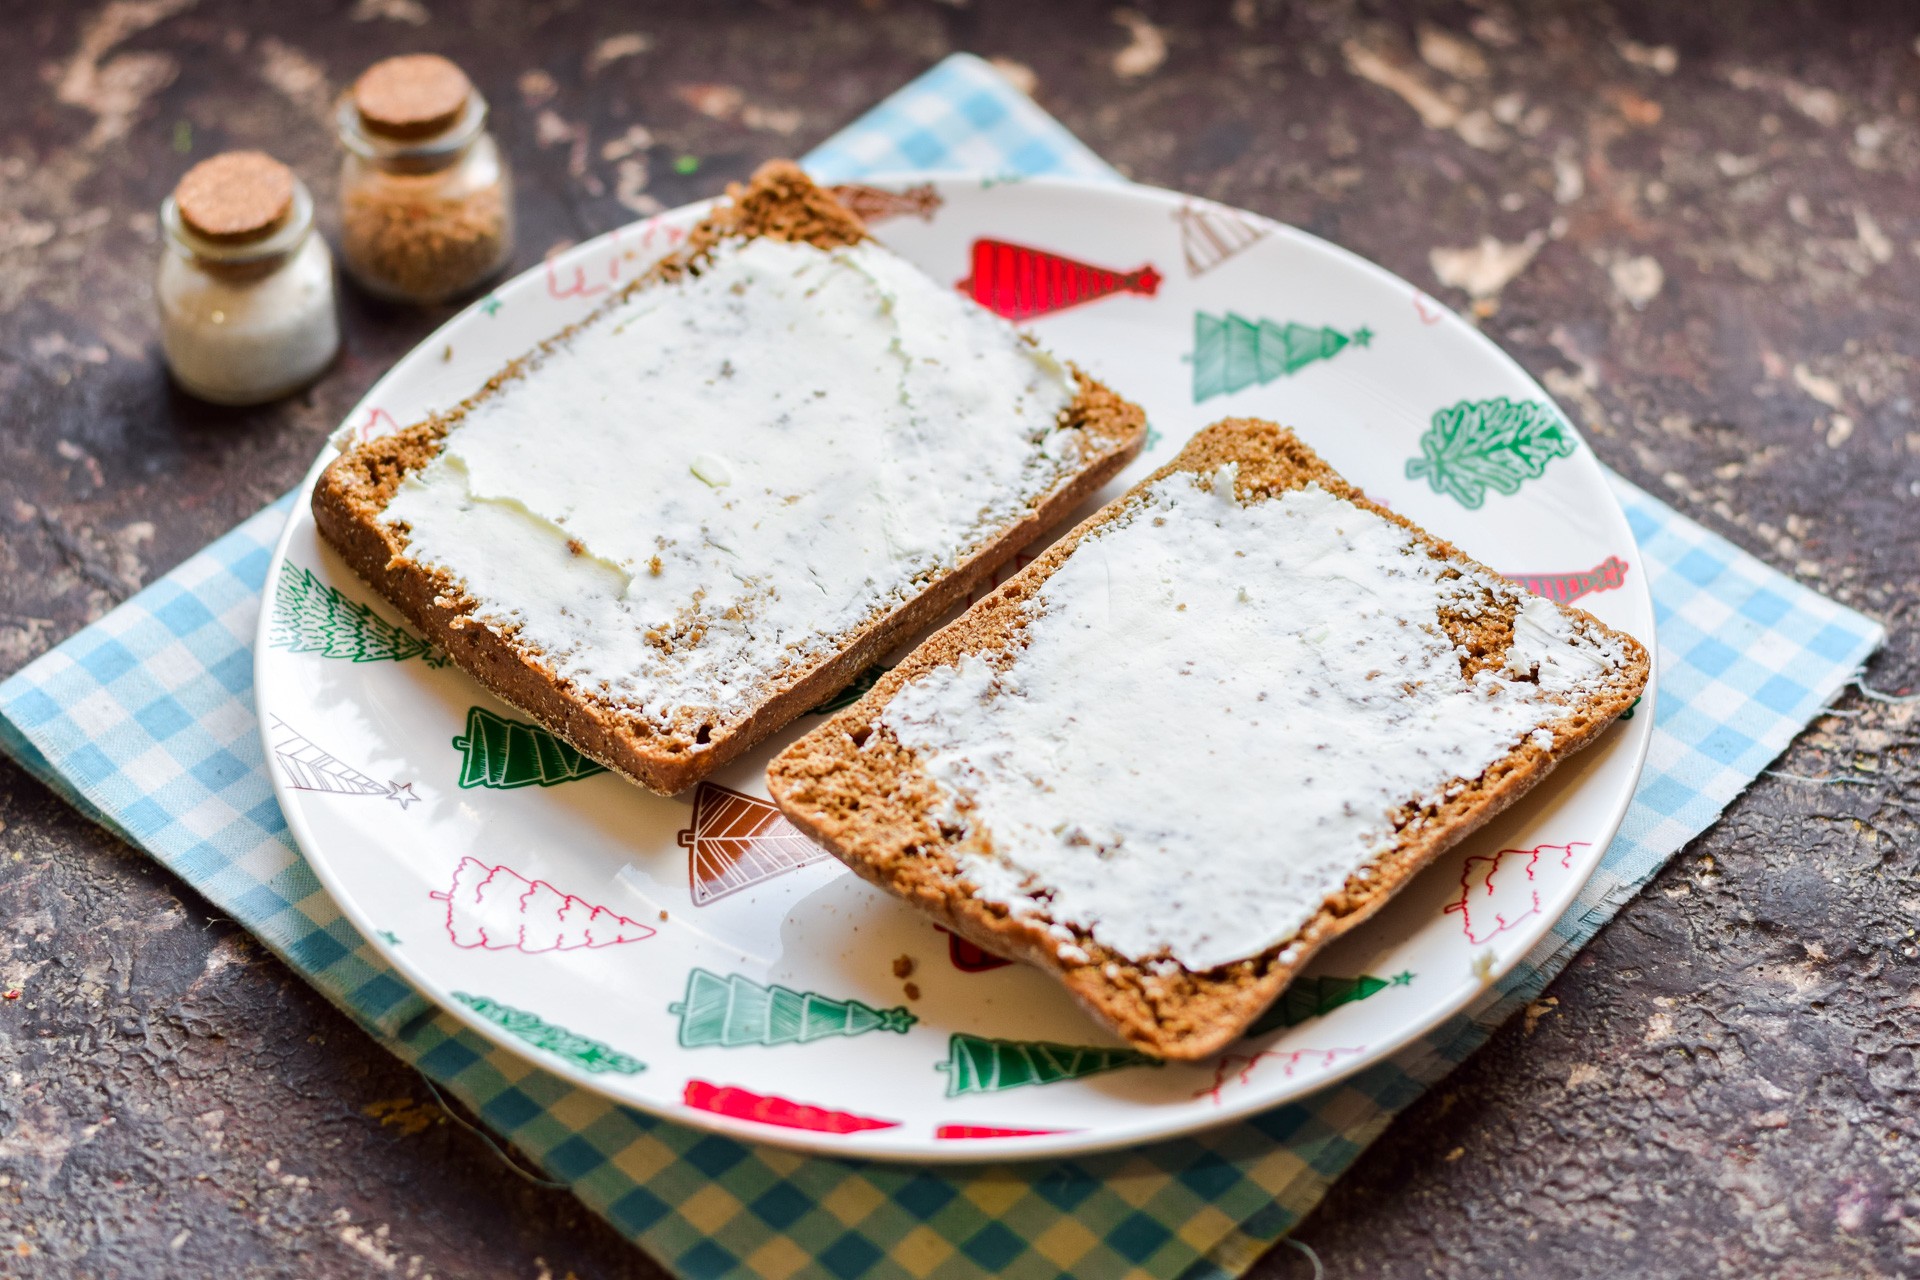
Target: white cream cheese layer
1215, 712
728, 473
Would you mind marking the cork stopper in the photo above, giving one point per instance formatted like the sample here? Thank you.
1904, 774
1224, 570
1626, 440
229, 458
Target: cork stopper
410, 97
235, 197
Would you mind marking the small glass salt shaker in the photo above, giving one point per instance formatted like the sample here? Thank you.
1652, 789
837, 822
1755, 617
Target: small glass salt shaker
245, 288
426, 203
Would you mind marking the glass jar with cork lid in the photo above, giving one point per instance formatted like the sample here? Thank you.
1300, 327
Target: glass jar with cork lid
245, 288
426, 204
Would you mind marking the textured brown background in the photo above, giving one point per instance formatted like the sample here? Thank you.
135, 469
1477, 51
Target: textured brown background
1699, 224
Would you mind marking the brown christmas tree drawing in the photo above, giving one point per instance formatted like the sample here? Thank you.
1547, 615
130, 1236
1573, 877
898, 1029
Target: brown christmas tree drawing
877, 204
498, 909
502, 753
1212, 233
1565, 588
736, 841
1020, 283
307, 767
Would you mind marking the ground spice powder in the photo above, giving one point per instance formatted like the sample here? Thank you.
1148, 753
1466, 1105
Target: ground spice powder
404, 235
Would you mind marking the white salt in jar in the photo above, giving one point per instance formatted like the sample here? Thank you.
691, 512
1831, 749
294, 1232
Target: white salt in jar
245, 288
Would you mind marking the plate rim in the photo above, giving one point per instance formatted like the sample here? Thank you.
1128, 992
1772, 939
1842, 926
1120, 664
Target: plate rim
906, 1148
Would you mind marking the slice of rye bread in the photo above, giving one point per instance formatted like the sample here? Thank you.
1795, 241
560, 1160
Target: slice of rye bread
780, 203
852, 786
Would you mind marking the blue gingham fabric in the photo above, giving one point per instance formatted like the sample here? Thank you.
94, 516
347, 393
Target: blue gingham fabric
145, 721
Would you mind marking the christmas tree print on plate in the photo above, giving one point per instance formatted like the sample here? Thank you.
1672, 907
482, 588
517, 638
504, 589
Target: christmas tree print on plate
1565, 588
587, 1054
311, 617
1308, 998
1240, 1068
976, 1064
1020, 283
588, 925
968, 956
732, 1011
1212, 233
975, 1132
853, 692
877, 204
736, 841
1496, 444
1231, 352
308, 768
1501, 890
767, 1108
498, 909
504, 754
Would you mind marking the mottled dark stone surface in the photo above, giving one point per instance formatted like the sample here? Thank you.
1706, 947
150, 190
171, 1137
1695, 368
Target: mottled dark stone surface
1722, 205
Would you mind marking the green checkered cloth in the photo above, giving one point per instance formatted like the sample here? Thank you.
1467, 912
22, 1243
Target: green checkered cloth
145, 721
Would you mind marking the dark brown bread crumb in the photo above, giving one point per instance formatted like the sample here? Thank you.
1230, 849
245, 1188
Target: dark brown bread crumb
352, 493
853, 787
903, 967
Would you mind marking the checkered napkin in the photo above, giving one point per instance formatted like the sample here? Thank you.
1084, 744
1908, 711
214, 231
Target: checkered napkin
145, 721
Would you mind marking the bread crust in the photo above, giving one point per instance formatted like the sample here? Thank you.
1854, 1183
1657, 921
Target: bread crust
352, 493
850, 785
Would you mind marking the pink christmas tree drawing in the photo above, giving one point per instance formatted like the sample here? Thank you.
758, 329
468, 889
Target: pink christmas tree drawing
1238, 1068
1500, 890
498, 909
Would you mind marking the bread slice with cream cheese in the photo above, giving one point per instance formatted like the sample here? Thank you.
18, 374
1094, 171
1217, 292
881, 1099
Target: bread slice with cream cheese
723, 495
1209, 731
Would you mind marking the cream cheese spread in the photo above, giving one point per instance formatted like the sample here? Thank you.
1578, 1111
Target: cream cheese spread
1216, 710
724, 475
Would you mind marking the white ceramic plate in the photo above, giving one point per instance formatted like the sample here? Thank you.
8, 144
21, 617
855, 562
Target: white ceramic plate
697, 959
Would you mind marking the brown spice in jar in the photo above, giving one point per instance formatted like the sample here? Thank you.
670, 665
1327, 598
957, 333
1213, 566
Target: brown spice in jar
402, 233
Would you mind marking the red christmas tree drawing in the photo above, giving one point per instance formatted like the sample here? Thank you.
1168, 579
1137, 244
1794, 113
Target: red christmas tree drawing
1565, 588
498, 909
1019, 283
767, 1108
737, 841
1238, 1067
1500, 890
877, 204
968, 957
961, 1131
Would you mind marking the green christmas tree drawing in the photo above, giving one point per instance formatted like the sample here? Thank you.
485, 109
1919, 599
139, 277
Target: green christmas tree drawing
311, 617
978, 1065
732, 1011
1311, 998
581, 1051
853, 692
1232, 352
505, 754
1496, 444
